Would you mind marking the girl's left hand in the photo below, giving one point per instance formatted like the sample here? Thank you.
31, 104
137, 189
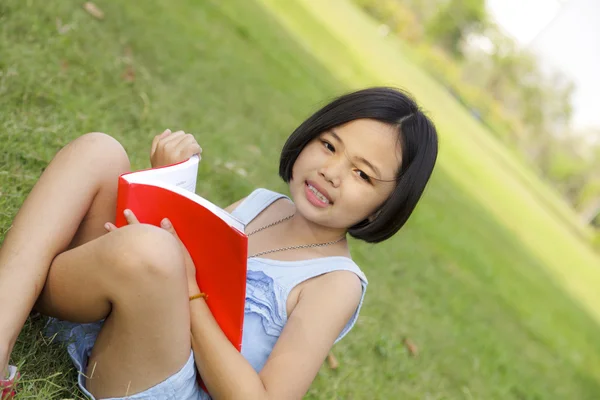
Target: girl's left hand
166, 225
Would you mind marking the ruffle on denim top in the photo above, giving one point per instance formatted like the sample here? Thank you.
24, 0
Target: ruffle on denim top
269, 282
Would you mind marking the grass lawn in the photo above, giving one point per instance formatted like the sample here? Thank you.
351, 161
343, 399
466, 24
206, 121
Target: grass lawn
495, 287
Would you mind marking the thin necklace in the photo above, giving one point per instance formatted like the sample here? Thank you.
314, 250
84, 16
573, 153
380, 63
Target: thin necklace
302, 246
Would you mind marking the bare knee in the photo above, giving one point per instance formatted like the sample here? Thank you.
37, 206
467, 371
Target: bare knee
144, 255
108, 152
101, 152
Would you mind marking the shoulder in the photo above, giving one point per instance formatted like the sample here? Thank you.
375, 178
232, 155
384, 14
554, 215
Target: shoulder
341, 288
255, 194
340, 280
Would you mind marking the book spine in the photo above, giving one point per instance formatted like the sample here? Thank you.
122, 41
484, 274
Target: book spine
122, 201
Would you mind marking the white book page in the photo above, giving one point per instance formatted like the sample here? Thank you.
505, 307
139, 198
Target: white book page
181, 179
182, 175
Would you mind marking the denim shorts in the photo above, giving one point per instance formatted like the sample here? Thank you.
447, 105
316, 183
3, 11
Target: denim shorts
80, 339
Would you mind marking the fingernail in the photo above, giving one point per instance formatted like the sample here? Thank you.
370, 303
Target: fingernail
127, 213
165, 223
107, 226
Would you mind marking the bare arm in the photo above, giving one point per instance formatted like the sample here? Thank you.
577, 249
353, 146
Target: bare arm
325, 306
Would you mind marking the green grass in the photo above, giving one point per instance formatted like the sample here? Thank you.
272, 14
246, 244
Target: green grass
496, 287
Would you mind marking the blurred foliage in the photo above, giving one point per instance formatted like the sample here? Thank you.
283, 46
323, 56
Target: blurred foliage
504, 86
454, 21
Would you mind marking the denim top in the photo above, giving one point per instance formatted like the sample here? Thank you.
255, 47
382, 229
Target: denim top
269, 282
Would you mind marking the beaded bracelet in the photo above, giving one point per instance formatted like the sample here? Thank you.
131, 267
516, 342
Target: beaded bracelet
199, 295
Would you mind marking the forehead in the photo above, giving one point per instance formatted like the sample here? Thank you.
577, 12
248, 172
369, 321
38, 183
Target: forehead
375, 141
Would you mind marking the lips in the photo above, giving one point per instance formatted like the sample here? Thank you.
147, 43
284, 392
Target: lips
320, 191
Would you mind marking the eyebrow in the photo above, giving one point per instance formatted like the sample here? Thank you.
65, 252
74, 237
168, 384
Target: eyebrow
360, 159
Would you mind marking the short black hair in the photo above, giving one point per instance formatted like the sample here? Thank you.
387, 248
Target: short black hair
418, 140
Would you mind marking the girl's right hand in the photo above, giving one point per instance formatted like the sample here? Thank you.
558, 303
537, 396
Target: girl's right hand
173, 147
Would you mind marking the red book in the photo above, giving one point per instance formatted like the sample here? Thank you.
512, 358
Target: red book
214, 238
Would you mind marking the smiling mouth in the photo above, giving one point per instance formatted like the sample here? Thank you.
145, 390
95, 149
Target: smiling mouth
318, 194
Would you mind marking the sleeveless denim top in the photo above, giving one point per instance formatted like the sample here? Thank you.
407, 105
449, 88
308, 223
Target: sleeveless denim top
269, 282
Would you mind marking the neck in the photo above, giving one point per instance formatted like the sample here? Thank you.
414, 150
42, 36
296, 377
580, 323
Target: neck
313, 233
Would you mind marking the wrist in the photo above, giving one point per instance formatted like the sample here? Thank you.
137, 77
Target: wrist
193, 290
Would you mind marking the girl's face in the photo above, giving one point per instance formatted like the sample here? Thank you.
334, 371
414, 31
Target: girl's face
337, 178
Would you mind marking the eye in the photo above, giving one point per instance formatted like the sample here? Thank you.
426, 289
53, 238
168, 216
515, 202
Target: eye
328, 146
363, 176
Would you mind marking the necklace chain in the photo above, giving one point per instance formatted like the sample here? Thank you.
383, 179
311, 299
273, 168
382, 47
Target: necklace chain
301, 246
271, 224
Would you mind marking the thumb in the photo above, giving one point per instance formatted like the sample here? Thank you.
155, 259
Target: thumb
168, 226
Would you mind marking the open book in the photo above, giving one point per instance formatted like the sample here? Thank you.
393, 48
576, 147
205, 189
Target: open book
214, 238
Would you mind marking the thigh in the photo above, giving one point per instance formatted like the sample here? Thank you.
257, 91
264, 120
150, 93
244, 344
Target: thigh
132, 355
103, 207
134, 278
105, 160
146, 337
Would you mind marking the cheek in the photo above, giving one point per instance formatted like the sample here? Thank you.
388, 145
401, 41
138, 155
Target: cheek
297, 165
361, 201
309, 158
366, 201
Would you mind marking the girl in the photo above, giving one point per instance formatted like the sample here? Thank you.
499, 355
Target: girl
358, 166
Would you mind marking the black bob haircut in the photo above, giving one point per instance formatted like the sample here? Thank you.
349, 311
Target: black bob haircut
417, 137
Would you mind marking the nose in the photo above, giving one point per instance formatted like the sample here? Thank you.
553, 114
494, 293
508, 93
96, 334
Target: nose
332, 172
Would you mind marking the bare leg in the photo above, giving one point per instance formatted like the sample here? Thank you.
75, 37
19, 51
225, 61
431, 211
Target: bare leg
135, 276
138, 273
68, 206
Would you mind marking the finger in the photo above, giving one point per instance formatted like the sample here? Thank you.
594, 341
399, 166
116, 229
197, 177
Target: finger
170, 142
196, 149
130, 217
168, 226
166, 133
188, 147
110, 227
191, 150
173, 137
157, 139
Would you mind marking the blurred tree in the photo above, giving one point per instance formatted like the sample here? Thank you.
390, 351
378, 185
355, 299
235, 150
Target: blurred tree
501, 84
574, 168
398, 17
424, 10
454, 20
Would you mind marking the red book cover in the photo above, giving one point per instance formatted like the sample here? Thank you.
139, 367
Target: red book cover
214, 239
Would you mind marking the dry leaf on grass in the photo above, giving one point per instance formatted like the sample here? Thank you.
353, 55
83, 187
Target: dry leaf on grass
93, 10
129, 74
62, 29
412, 348
332, 361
